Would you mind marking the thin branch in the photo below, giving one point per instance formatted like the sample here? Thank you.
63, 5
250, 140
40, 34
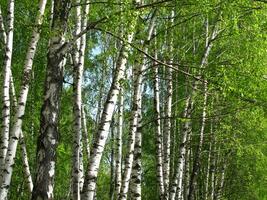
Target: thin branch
149, 56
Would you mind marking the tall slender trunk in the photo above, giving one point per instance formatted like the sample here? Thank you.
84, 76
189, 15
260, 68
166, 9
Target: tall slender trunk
208, 173
168, 125
48, 138
218, 195
104, 125
119, 145
6, 83
84, 23
85, 134
187, 166
137, 165
77, 164
136, 107
20, 110
26, 167
196, 164
112, 162
179, 173
213, 168
186, 129
2, 28
159, 150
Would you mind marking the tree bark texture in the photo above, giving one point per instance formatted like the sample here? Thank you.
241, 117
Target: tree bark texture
49, 135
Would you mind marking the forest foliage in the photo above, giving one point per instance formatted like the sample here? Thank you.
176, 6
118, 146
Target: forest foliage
228, 83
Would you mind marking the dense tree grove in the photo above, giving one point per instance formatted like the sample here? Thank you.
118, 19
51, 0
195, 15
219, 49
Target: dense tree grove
133, 99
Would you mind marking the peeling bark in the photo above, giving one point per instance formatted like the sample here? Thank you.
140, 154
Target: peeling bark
49, 135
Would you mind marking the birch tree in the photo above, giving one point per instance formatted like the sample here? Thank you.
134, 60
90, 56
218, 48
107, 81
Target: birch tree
159, 142
48, 138
105, 121
6, 82
168, 125
20, 109
118, 173
135, 135
78, 59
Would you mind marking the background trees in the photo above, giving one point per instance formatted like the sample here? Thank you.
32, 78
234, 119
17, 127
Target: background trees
181, 85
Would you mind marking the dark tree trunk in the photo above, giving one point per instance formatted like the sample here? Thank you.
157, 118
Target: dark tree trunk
49, 135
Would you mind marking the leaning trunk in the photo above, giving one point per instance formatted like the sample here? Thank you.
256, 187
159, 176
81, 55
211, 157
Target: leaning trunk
105, 121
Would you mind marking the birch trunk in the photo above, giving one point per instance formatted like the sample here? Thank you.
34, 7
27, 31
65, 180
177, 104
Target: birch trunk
112, 163
84, 13
77, 171
2, 28
119, 145
196, 164
212, 170
159, 150
105, 121
20, 110
26, 167
187, 126
187, 167
6, 83
48, 138
137, 151
137, 165
136, 107
208, 174
167, 130
84, 23
186, 129
221, 184
85, 134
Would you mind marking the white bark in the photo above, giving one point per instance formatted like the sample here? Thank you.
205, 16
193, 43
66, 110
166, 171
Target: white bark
177, 184
77, 171
19, 113
168, 125
196, 164
26, 166
187, 167
208, 174
119, 145
136, 188
159, 143
85, 134
212, 170
2, 28
222, 178
136, 103
178, 178
137, 165
103, 129
49, 117
6, 83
